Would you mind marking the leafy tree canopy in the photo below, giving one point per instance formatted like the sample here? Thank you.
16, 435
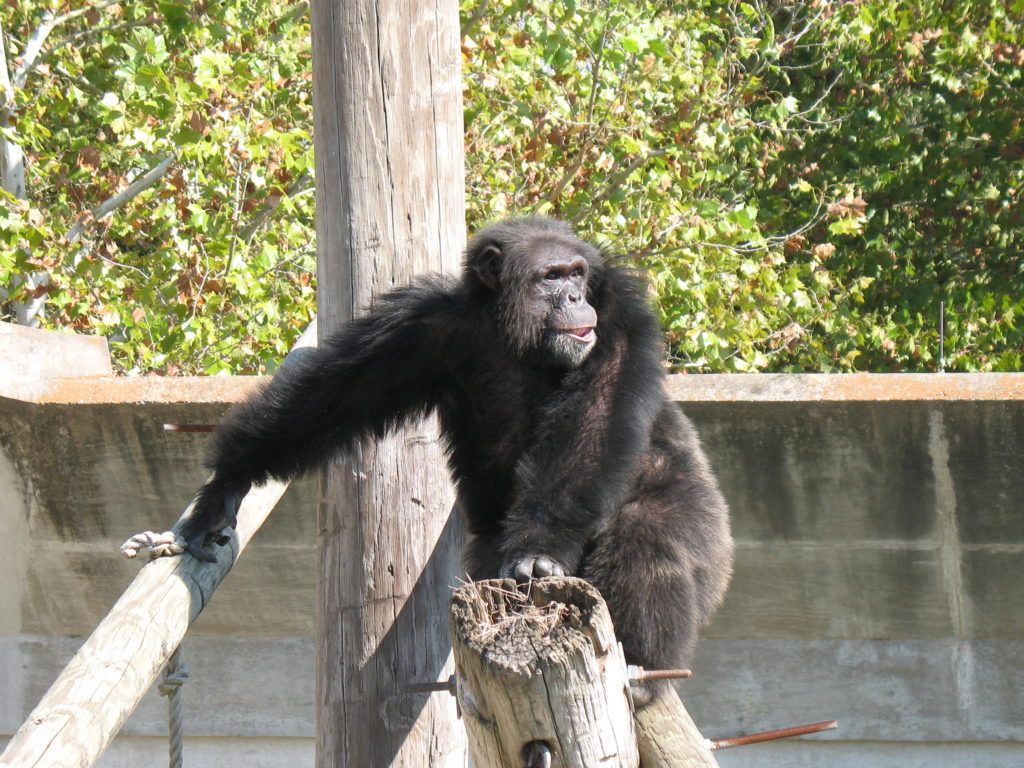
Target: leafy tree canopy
804, 182
209, 269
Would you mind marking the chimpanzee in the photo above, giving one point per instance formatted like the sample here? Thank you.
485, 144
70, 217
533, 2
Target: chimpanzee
544, 364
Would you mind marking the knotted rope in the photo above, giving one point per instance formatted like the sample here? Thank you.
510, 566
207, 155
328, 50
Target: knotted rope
160, 544
177, 673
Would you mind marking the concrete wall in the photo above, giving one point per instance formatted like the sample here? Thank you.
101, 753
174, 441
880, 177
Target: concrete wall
880, 551
878, 581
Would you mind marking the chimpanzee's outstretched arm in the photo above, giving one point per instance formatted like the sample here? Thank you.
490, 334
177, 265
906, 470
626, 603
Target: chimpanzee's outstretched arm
377, 372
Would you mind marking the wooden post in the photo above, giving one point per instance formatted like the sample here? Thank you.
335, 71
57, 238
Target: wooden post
100, 687
541, 665
390, 204
668, 737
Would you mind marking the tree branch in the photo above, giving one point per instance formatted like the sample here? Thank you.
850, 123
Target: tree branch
111, 204
587, 140
247, 231
34, 47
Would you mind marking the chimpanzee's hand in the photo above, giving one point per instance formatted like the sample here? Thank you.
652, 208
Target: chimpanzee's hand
215, 508
527, 567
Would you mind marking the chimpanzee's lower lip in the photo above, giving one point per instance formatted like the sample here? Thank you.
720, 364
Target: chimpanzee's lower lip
580, 334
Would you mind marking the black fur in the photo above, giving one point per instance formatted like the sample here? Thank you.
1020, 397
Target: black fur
573, 464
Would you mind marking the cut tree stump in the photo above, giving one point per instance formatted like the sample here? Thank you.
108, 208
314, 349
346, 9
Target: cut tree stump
540, 663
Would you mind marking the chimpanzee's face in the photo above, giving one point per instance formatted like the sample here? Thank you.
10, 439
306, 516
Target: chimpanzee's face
540, 286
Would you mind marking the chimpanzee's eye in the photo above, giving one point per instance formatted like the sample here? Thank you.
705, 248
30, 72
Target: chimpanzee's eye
553, 274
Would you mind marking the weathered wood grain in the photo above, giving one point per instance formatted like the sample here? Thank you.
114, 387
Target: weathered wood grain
541, 666
668, 737
100, 687
390, 204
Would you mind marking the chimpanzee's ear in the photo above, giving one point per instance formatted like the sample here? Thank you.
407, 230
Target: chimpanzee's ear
487, 265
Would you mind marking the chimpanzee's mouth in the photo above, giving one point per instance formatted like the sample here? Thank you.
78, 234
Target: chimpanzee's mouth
585, 334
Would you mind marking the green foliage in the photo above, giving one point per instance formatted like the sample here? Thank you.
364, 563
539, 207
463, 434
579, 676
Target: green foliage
804, 182
209, 270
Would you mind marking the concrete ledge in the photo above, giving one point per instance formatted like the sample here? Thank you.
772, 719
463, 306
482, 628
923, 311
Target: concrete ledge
927, 691
133, 751
113, 390
852, 387
30, 359
805, 753
33, 353
683, 388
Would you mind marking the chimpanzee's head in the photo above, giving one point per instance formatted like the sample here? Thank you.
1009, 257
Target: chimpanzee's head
538, 272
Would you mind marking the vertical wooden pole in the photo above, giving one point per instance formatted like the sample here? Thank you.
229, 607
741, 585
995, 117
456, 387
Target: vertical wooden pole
389, 177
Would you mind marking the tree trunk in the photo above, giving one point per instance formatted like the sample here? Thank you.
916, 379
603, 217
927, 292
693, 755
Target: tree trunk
12, 180
390, 204
12, 159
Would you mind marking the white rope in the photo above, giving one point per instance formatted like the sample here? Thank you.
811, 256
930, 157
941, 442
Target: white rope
177, 674
160, 544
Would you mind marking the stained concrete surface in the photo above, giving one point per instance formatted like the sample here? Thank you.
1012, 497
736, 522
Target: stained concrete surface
880, 547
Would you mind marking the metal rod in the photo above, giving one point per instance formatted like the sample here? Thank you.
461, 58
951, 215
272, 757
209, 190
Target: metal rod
190, 427
440, 685
781, 733
642, 675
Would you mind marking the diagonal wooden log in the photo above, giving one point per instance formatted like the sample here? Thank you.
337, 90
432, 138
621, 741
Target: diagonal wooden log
100, 687
668, 738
